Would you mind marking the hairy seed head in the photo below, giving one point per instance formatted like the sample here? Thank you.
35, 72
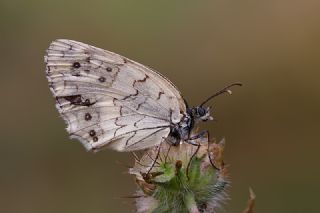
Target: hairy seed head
183, 178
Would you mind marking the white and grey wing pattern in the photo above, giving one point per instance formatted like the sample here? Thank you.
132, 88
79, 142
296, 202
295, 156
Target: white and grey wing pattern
108, 100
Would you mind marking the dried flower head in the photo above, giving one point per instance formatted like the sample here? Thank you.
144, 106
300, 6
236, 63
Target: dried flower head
184, 178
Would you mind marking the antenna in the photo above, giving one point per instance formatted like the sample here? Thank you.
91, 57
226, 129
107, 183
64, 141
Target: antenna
224, 90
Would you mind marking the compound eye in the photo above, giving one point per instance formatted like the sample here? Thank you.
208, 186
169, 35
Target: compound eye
201, 111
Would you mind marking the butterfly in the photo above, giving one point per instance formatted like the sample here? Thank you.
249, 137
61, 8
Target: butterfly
108, 100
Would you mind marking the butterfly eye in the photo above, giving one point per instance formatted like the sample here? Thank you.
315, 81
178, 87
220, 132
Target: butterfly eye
201, 111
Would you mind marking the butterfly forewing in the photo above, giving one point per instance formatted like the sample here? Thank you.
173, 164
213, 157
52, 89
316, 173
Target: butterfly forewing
109, 100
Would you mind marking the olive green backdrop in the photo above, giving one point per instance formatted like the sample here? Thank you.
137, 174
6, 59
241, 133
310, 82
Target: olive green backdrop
271, 124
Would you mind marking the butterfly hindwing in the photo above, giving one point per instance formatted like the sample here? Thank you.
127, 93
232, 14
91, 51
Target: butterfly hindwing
109, 100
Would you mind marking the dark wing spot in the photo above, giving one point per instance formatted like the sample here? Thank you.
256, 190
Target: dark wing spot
120, 110
109, 69
144, 79
87, 116
76, 74
139, 105
92, 133
73, 99
87, 102
131, 95
140, 81
102, 79
76, 65
95, 139
159, 95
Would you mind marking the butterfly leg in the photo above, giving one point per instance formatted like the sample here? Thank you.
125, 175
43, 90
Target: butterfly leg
138, 161
193, 155
200, 135
210, 159
155, 160
166, 157
191, 141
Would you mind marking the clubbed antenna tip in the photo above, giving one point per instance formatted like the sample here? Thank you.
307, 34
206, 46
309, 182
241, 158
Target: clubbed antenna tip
224, 90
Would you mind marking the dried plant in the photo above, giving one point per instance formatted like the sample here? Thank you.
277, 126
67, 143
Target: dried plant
251, 201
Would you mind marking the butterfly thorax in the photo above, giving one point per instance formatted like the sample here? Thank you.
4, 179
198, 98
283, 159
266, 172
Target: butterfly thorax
181, 131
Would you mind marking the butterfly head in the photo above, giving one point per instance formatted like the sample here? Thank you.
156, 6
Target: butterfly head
201, 113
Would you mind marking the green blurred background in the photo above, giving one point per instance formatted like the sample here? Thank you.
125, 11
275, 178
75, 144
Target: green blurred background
271, 124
